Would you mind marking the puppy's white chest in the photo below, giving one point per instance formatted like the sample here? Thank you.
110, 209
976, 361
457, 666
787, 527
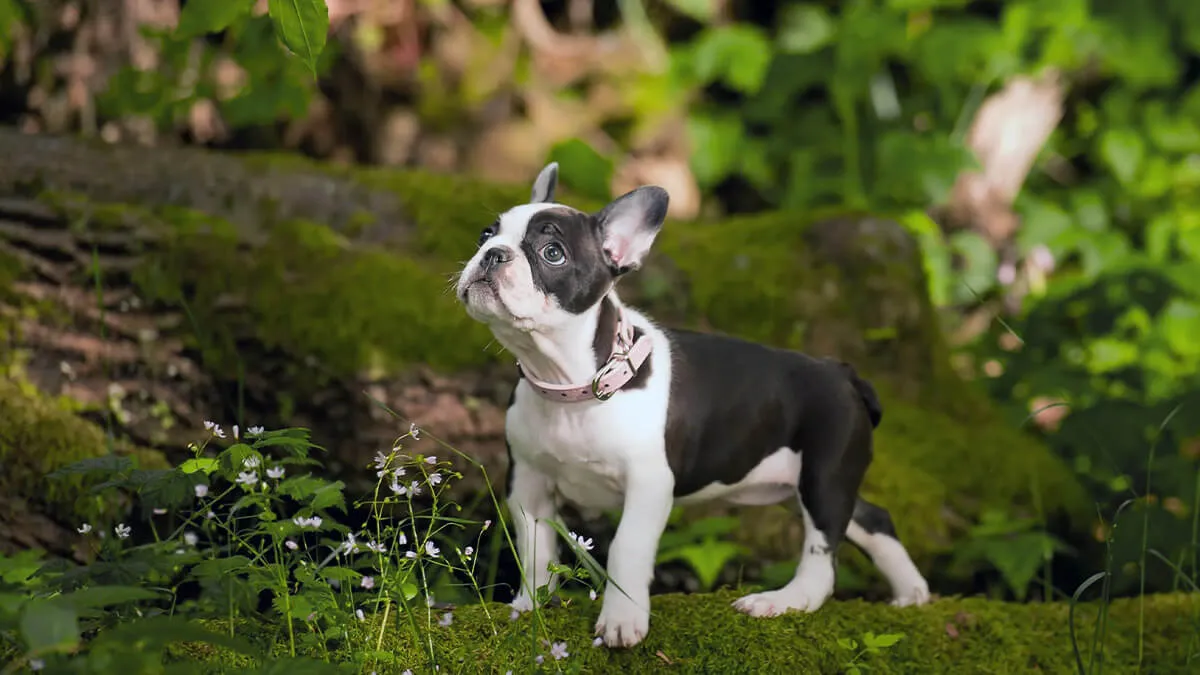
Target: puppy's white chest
583, 450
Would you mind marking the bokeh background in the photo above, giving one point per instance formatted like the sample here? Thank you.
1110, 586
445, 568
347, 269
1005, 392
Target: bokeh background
1001, 197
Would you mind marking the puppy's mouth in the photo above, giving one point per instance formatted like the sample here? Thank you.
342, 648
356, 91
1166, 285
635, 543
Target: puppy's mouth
477, 285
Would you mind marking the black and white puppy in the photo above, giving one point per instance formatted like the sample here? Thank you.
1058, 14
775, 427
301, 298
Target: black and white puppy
615, 412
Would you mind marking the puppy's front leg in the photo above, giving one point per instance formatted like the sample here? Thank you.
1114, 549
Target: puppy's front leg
531, 504
625, 616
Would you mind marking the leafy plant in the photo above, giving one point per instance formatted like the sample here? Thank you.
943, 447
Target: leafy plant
871, 645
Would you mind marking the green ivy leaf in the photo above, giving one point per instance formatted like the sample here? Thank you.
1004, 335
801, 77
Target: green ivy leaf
302, 26
805, 28
199, 17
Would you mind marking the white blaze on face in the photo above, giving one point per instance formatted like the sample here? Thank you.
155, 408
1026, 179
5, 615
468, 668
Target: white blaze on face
519, 300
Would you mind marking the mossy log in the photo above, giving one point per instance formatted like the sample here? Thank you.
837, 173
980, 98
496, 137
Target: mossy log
156, 288
703, 634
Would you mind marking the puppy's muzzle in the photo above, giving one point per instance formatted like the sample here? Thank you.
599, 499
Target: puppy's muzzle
495, 258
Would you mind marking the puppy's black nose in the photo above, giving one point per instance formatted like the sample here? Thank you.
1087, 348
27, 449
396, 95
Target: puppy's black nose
494, 257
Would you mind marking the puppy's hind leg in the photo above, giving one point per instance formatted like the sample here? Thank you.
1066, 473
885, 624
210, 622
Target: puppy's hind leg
834, 461
872, 531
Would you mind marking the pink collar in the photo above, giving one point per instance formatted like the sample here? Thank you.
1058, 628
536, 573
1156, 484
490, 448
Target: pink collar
627, 357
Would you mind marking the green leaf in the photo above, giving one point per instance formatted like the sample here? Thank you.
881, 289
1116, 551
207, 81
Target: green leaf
715, 139
847, 643
883, 641
804, 29
205, 464
1123, 151
583, 169
301, 487
302, 26
49, 625
199, 17
737, 55
96, 597
329, 496
979, 264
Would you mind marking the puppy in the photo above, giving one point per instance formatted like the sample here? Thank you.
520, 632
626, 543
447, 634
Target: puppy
612, 411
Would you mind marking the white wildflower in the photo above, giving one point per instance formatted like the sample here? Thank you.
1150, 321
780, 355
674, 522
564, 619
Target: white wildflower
597, 642
410, 554
201, 491
254, 431
431, 548
398, 489
591, 594
559, 651
235, 432
292, 546
486, 524
275, 472
248, 478
218, 432
84, 529
584, 542
159, 512
36, 664
376, 547
470, 550
414, 488
367, 583
401, 539
446, 619
431, 460
250, 463
210, 515
123, 531
414, 431
190, 538
359, 613
513, 615
350, 545
435, 478
209, 426
381, 460
538, 659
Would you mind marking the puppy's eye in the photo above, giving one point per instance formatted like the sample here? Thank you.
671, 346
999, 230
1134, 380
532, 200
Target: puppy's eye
488, 233
554, 254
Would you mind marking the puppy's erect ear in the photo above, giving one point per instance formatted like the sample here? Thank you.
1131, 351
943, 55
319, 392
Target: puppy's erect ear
629, 225
543, 187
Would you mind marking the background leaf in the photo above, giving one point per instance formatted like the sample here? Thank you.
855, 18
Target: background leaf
199, 17
302, 26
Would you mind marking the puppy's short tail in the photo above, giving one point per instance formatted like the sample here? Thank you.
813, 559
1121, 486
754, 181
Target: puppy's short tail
867, 393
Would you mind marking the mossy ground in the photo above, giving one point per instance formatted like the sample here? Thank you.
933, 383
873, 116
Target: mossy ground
39, 435
703, 634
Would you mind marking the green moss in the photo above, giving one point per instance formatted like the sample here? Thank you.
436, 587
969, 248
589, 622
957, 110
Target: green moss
38, 436
703, 634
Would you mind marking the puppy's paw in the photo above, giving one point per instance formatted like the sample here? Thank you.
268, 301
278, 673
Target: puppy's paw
623, 622
793, 597
915, 595
522, 603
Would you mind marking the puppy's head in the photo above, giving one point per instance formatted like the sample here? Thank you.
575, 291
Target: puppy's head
542, 263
